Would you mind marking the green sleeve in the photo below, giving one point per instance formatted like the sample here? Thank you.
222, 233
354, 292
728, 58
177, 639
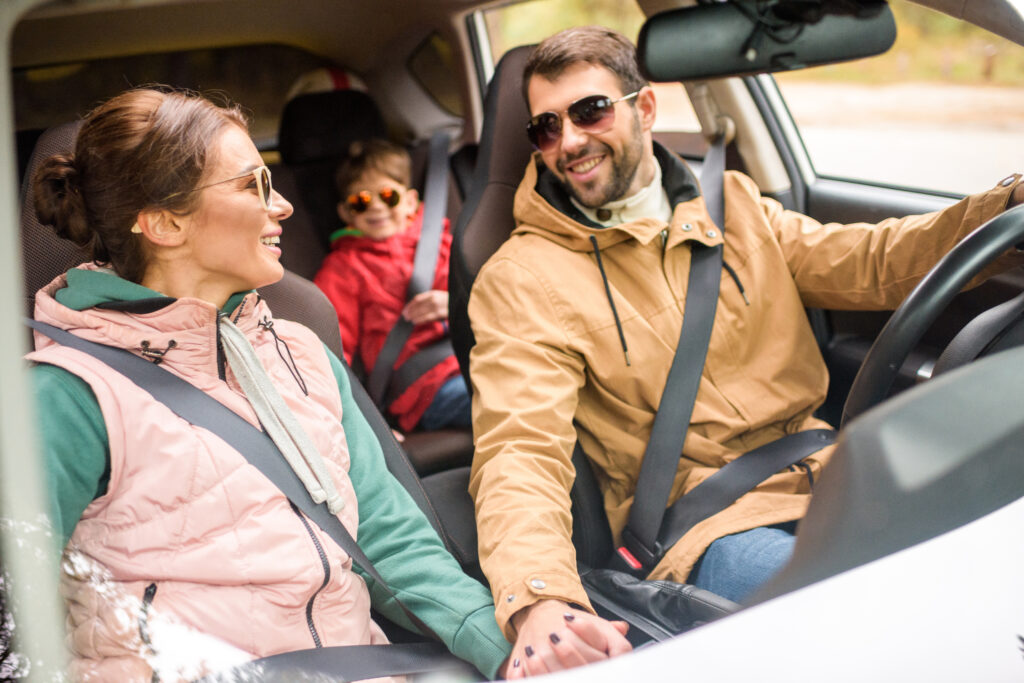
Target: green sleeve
73, 436
408, 554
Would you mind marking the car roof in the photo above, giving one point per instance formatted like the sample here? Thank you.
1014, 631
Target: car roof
354, 33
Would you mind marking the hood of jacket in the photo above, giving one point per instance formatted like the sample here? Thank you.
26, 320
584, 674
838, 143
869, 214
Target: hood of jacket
91, 301
542, 206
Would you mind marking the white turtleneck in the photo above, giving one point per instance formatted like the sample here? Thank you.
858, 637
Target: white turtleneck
650, 202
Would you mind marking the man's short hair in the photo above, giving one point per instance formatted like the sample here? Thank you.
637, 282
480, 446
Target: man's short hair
380, 156
595, 45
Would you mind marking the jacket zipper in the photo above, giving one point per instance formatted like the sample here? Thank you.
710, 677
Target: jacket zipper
147, 601
327, 575
221, 360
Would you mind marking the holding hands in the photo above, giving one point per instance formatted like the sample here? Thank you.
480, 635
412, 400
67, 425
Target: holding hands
553, 636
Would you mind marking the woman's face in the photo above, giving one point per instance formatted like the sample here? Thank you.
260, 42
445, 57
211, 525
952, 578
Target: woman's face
231, 239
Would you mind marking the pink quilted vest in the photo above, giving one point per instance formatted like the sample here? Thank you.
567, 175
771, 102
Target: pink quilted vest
192, 561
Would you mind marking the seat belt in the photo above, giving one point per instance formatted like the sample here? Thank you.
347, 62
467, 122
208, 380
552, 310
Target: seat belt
202, 410
435, 196
651, 529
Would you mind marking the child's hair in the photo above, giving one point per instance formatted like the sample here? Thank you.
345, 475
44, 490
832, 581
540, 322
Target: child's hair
381, 156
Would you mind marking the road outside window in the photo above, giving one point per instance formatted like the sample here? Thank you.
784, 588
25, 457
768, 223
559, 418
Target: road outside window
943, 110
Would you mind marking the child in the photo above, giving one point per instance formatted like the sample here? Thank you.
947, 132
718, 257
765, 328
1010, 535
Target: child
366, 277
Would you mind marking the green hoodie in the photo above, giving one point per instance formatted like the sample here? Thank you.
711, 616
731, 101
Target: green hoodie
77, 460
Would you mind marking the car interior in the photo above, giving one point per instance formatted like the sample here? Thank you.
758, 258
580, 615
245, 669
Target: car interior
425, 70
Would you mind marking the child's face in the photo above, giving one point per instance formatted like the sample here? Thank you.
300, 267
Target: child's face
378, 221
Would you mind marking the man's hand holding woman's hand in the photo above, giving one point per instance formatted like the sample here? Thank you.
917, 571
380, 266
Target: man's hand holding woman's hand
553, 636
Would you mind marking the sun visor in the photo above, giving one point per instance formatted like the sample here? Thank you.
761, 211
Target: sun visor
742, 37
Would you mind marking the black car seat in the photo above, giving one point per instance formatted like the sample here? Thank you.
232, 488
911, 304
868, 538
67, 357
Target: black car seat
485, 223
45, 256
315, 131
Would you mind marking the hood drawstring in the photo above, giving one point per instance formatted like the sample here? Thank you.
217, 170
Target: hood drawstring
611, 302
736, 279
277, 419
289, 362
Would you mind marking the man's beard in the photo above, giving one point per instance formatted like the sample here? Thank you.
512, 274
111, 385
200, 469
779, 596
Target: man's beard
624, 169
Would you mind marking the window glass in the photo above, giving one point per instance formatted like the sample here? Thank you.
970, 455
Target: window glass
942, 110
530, 22
51, 95
433, 66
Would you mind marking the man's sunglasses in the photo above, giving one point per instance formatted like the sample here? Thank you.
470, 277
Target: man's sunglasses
360, 201
592, 114
261, 176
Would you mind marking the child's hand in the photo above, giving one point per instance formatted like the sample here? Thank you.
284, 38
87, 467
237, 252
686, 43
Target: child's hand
427, 307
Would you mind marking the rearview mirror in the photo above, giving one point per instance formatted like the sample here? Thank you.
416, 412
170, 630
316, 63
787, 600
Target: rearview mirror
732, 38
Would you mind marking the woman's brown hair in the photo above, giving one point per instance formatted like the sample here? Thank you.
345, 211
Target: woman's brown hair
143, 149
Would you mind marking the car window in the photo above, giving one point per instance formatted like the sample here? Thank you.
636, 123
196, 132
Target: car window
51, 95
433, 66
939, 111
530, 22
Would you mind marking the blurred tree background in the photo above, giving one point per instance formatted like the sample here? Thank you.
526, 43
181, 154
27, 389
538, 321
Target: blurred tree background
930, 46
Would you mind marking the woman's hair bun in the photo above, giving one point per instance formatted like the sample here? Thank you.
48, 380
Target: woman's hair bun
58, 199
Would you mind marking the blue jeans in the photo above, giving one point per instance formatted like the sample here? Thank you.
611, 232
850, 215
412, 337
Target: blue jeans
450, 407
737, 565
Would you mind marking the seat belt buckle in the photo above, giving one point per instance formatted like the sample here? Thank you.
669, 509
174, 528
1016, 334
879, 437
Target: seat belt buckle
638, 552
628, 558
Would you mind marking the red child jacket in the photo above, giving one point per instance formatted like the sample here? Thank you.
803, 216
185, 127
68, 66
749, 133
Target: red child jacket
367, 281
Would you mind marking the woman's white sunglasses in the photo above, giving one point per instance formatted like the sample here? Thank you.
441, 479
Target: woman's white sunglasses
263, 185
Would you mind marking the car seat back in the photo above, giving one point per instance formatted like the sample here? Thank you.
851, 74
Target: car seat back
486, 220
485, 223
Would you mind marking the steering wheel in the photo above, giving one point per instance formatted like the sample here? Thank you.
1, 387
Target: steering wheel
923, 305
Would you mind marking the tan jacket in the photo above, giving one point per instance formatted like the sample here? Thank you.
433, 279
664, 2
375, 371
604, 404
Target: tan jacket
548, 367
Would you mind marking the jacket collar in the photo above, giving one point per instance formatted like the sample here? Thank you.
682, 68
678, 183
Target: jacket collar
100, 306
543, 207
91, 286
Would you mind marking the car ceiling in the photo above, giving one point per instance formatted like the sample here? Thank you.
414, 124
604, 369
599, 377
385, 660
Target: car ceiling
350, 33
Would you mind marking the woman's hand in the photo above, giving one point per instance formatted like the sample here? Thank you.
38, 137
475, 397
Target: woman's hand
553, 636
427, 307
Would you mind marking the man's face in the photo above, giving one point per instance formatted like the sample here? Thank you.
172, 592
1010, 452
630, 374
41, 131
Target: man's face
596, 168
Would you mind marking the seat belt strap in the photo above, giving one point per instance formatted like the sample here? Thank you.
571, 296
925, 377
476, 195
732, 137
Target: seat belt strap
671, 422
736, 478
424, 265
346, 663
202, 410
652, 529
417, 365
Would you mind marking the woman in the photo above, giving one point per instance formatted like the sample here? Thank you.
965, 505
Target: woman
182, 559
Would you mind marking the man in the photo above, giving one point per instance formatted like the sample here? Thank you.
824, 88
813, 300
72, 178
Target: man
576, 320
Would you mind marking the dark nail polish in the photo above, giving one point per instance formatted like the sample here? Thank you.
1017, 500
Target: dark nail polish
515, 663
554, 638
569, 616
529, 651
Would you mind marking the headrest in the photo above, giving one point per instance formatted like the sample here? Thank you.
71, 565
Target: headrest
44, 255
321, 125
486, 219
